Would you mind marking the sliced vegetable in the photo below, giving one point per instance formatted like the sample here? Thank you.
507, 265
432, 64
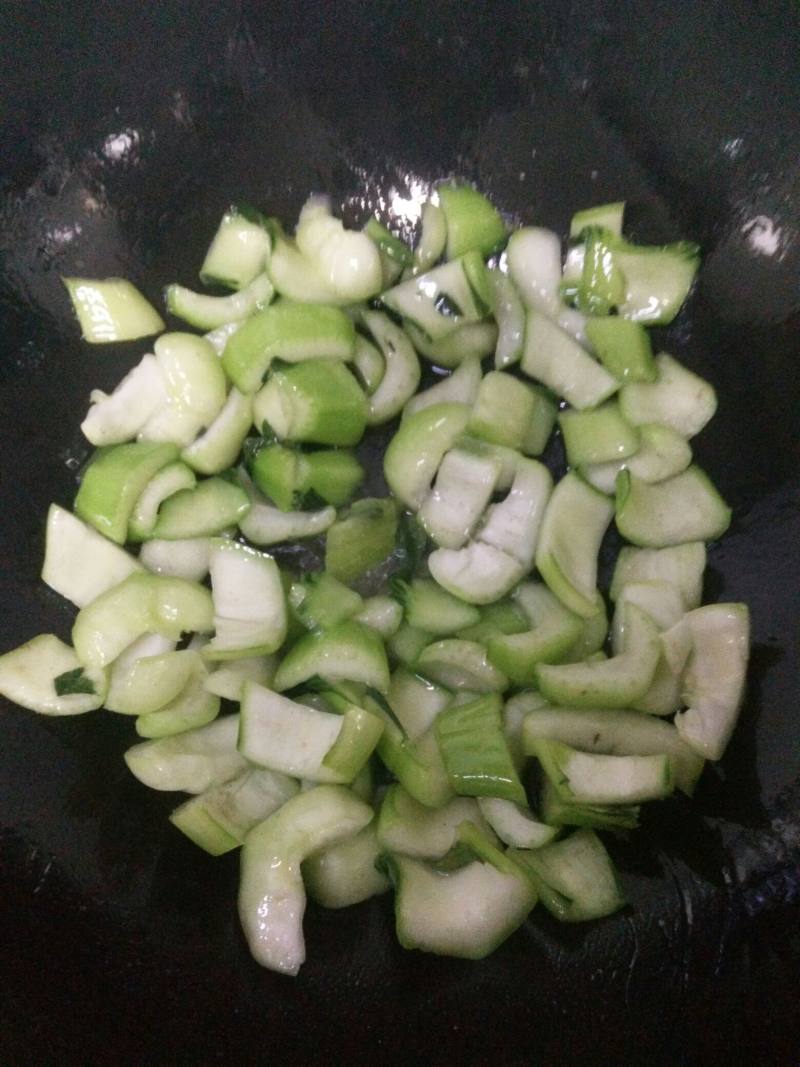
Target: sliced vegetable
555, 359
316, 401
47, 676
362, 539
475, 751
238, 250
79, 563
272, 898
293, 333
111, 310
680, 509
473, 222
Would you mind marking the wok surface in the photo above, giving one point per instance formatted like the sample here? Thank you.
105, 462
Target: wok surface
124, 135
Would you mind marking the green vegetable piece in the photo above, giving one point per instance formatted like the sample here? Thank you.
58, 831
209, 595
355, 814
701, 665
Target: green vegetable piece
345, 873
279, 473
575, 878
316, 401
680, 509
623, 347
347, 652
238, 250
210, 312
597, 436
211, 507
473, 222
602, 284
503, 410
112, 310
361, 540
475, 751
45, 675
333, 475
321, 600
114, 481
290, 332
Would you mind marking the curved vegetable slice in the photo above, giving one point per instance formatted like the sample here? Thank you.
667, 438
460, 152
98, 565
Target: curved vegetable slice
210, 312
514, 824
680, 509
185, 558
345, 874
466, 913
265, 525
473, 339
219, 819
249, 602
416, 764
623, 347
192, 761
402, 370
305, 742
479, 573
614, 733
597, 436
677, 398
238, 250
361, 539
554, 633
458, 664
513, 525
473, 222
428, 607
463, 487
444, 298
509, 313
475, 751
405, 826
433, 237
111, 310
118, 417
217, 448
416, 450
192, 708
79, 563
45, 675
289, 332
575, 521
611, 683
272, 898
348, 652
114, 481
317, 401
715, 677
212, 506
575, 878
534, 266
169, 480
662, 453
143, 603
149, 675
347, 261
196, 389
555, 359
581, 778
680, 565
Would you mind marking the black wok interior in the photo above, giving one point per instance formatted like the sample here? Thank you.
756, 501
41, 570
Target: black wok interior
124, 132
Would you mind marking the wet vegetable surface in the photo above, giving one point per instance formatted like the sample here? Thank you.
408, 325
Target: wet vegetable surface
124, 135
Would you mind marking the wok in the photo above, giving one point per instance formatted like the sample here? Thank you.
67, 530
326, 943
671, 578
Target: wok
126, 129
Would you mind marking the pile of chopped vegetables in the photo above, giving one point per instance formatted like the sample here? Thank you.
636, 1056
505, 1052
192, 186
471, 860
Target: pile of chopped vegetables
444, 709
